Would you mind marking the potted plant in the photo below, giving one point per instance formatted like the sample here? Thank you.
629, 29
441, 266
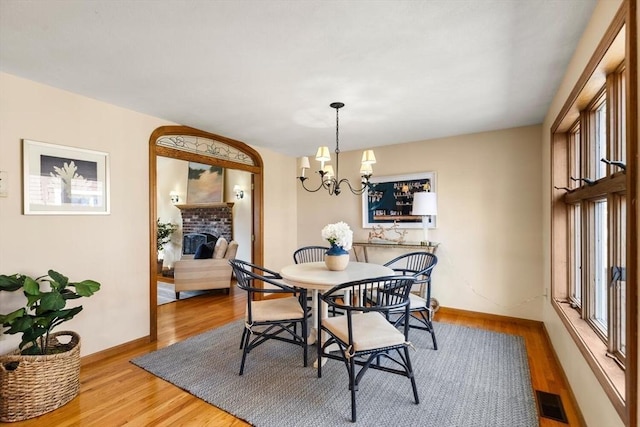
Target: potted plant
165, 230
44, 372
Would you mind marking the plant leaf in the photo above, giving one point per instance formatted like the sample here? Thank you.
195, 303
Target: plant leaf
31, 287
60, 279
11, 283
50, 301
21, 324
6, 319
86, 288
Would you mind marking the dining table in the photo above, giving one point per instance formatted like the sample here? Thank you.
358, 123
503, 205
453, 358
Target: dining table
315, 276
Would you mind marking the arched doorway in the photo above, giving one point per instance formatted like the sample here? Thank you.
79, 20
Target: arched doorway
193, 145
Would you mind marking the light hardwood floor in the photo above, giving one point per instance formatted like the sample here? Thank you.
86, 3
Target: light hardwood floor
115, 392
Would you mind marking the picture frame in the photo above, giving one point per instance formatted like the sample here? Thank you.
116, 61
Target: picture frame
205, 184
63, 180
390, 198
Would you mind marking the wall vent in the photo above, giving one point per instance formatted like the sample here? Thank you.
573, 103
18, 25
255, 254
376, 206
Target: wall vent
550, 406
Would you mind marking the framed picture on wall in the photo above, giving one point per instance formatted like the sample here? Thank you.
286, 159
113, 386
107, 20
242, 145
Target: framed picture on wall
390, 200
61, 180
205, 184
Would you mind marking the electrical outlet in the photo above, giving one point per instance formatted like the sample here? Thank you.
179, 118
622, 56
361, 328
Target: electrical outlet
4, 184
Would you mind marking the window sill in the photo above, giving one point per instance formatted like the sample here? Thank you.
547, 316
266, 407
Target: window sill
609, 374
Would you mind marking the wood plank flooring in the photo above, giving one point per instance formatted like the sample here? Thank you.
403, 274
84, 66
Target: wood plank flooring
114, 392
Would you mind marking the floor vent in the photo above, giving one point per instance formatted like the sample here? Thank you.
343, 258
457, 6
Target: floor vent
550, 406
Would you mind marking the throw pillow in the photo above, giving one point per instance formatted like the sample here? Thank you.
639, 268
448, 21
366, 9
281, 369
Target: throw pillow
204, 251
221, 248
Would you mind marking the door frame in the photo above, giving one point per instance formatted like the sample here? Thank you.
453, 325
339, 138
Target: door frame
257, 206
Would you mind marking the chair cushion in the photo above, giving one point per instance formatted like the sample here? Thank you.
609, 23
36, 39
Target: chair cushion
204, 251
416, 302
221, 248
232, 250
370, 331
276, 309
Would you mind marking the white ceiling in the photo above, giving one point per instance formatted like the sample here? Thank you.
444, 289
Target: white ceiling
265, 71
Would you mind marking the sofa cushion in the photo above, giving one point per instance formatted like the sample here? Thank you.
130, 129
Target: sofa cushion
220, 248
232, 250
204, 251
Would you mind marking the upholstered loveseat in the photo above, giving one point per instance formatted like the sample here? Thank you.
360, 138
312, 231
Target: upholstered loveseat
192, 274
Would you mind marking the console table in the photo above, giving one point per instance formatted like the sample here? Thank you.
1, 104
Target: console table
414, 246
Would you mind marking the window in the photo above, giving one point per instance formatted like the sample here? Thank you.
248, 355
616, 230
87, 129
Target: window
597, 284
589, 212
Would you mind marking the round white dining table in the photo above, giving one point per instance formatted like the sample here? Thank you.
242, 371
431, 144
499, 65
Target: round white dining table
318, 278
316, 275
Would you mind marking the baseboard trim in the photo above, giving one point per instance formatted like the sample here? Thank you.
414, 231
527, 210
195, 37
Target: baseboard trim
489, 316
572, 396
114, 351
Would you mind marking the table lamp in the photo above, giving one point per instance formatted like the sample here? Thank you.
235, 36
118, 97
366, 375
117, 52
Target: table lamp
425, 204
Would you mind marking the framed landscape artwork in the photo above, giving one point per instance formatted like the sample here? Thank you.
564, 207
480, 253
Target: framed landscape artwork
390, 200
205, 184
61, 180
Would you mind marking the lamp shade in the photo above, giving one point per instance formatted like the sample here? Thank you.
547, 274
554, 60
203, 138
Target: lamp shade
304, 163
368, 158
366, 169
424, 203
323, 154
328, 169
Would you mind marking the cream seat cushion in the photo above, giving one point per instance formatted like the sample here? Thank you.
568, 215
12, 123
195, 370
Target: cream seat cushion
370, 330
276, 309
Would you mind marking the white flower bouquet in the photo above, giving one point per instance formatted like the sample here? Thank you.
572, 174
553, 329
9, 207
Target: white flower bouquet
338, 234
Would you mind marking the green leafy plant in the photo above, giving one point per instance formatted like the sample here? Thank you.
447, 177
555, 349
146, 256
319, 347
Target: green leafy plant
45, 307
165, 230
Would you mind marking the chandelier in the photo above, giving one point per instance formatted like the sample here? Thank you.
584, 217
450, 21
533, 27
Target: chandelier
330, 178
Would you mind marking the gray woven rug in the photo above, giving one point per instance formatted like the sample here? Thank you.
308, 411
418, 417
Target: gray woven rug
475, 378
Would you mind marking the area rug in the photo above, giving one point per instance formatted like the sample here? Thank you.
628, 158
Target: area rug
475, 378
167, 294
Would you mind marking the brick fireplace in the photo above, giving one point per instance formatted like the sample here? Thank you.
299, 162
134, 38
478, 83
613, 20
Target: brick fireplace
212, 218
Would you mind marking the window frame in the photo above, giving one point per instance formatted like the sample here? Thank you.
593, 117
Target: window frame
619, 385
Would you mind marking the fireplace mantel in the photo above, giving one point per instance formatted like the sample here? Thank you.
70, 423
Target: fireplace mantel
205, 205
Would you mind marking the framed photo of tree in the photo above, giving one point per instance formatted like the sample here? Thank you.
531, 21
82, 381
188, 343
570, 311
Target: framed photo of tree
61, 180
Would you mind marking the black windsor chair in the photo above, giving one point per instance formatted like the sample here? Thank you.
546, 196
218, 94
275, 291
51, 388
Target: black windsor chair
364, 335
274, 318
419, 265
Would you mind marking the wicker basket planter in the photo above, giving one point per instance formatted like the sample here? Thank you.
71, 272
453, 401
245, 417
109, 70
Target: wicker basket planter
34, 385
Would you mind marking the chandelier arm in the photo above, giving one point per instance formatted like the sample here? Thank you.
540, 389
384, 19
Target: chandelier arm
357, 191
303, 179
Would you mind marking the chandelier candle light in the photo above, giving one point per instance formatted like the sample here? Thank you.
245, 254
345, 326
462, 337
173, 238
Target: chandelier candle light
425, 204
330, 177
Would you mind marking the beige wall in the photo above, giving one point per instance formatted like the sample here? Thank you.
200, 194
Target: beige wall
172, 176
593, 402
489, 219
241, 210
112, 249
280, 218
